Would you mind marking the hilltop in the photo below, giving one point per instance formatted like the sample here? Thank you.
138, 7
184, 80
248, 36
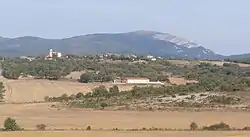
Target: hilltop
137, 42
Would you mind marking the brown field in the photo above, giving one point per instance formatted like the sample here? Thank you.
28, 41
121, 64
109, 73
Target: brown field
35, 90
125, 134
183, 62
180, 81
220, 63
75, 75
29, 115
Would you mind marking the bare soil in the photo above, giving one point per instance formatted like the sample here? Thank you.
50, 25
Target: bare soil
125, 134
29, 115
31, 90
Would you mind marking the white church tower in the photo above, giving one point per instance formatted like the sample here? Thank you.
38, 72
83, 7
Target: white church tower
50, 53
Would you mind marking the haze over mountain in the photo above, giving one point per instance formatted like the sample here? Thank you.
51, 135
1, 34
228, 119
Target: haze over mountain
221, 29
137, 42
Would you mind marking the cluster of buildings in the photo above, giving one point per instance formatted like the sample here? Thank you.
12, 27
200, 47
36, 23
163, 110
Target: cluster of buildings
152, 58
53, 54
127, 56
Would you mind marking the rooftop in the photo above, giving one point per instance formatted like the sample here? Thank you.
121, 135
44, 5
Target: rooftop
136, 78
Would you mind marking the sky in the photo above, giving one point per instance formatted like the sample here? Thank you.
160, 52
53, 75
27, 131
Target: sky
220, 25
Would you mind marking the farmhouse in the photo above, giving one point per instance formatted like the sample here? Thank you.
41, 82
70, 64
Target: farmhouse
135, 80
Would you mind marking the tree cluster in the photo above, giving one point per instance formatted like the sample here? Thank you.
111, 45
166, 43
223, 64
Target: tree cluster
2, 90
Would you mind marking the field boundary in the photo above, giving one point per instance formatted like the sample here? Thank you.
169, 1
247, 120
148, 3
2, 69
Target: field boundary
153, 129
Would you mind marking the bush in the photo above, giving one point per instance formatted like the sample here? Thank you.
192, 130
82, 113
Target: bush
47, 99
183, 94
11, 125
1, 91
193, 126
79, 95
220, 126
86, 77
41, 127
11, 74
103, 105
114, 90
88, 128
65, 97
246, 128
100, 91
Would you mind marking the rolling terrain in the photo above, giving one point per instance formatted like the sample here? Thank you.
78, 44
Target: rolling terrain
137, 42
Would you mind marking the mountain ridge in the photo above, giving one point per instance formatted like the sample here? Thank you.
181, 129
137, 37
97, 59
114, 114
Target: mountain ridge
140, 42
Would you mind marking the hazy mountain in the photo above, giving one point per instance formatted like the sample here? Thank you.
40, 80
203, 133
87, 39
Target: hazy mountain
240, 56
138, 42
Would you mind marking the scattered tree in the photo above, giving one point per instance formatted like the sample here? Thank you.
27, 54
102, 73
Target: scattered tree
220, 126
114, 90
103, 105
1, 91
47, 99
79, 95
193, 126
11, 125
86, 77
88, 128
41, 127
100, 91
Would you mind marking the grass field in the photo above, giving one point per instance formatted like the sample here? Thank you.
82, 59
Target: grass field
29, 115
35, 90
125, 134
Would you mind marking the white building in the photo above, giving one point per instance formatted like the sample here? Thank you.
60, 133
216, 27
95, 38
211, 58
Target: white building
153, 59
150, 57
132, 80
136, 80
53, 54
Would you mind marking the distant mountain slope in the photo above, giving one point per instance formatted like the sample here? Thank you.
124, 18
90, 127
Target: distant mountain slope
138, 42
240, 56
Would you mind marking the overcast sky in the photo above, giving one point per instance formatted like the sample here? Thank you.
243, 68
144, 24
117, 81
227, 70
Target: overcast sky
221, 25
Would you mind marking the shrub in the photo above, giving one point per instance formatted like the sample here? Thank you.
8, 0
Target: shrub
192, 97
246, 128
183, 94
47, 99
88, 128
114, 90
220, 126
86, 77
41, 127
144, 129
11, 125
150, 109
103, 105
64, 97
100, 91
2, 90
193, 126
79, 95
173, 96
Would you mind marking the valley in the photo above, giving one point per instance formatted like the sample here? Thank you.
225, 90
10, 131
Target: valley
72, 102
